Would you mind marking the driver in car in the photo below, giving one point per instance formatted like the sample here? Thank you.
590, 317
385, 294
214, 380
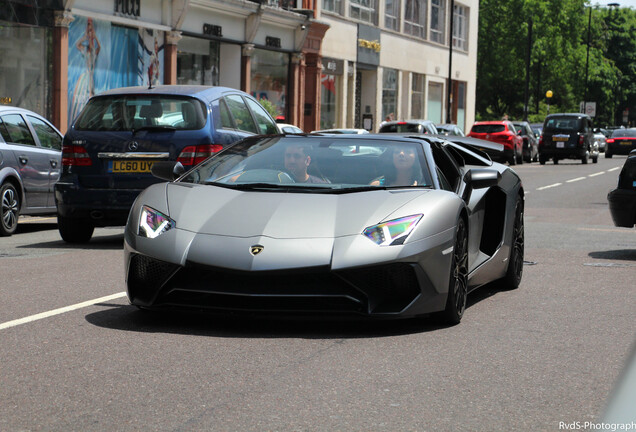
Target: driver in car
296, 163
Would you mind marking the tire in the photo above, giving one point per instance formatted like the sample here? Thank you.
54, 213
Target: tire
512, 279
595, 159
542, 159
9, 209
556, 161
520, 158
75, 230
608, 155
458, 278
513, 160
584, 159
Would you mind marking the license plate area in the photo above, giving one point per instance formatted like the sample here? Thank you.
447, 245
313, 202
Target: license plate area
129, 166
626, 143
560, 144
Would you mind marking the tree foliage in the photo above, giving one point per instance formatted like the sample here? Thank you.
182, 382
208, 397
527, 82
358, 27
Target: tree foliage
558, 58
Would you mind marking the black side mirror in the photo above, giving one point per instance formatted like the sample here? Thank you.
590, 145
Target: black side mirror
167, 170
479, 178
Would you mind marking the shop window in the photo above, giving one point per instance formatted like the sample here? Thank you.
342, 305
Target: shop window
328, 98
269, 77
437, 20
417, 96
415, 18
389, 93
435, 92
26, 69
198, 62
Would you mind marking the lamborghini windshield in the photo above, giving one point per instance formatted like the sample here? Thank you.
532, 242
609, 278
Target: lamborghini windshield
316, 164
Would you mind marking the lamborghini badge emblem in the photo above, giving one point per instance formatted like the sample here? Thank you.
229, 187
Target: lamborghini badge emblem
256, 249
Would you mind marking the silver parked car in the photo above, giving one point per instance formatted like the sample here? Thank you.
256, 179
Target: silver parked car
299, 224
30, 163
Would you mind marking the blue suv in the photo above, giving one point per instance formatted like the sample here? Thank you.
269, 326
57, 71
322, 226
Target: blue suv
109, 150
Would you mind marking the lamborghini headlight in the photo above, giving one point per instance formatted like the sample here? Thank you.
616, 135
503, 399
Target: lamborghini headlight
393, 232
153, 223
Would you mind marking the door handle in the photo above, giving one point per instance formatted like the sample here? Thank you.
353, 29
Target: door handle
23, 159
53, 163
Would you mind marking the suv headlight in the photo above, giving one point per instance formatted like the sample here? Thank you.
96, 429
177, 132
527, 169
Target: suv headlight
393, 232
153, 223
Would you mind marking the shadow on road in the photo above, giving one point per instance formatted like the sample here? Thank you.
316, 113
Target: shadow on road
102, 242
130, 318
31, 227
621, 255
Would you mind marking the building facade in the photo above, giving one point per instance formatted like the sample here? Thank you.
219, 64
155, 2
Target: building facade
59, 53
322, 63
392, 59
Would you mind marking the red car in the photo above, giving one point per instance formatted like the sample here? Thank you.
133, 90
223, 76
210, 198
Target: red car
502, 132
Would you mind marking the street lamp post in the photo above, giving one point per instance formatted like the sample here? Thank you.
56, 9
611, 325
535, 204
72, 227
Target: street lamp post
450, 64
587, 59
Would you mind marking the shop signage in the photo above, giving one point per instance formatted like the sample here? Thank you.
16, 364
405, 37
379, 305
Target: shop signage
6, 100
128, 7
332, 66
213, 30
273, 42
368, 45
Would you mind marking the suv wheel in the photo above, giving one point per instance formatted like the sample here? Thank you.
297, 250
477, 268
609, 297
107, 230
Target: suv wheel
75, 230
584, 158
9, 209
542, 159
608, 154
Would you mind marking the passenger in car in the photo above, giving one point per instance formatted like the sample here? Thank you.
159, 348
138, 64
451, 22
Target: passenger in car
296, 163
403, 171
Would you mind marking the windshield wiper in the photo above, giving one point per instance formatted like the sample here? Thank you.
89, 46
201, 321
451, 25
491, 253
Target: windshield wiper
286, 187
155, 128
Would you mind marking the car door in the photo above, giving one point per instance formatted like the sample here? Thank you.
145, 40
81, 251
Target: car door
33, 163
50, 141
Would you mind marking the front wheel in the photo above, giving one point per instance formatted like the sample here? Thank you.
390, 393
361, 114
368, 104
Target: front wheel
458, 284
75, 230
10, 210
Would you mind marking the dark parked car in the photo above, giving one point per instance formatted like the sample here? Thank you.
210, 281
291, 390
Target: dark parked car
530, 141
502, 132
622, 141
109, 150
568, 136
622, 200
450, 129
414, 126
30, 163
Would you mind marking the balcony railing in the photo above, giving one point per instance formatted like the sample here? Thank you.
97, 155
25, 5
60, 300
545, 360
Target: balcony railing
283, 4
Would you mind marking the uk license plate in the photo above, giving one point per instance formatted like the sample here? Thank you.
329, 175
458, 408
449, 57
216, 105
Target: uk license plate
626, 143
129, 166
561, 137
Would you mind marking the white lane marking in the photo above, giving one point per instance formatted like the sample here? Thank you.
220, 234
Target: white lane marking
59, 311
613, 169
596, 174
575, 179
550, 186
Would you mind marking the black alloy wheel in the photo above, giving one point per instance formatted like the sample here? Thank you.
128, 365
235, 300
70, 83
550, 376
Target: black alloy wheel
10, 210
512, 279
458, 284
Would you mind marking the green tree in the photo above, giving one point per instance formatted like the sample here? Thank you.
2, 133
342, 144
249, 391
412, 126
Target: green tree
559, 53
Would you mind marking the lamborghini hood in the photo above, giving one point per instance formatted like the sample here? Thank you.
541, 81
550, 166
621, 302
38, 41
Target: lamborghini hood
283, 215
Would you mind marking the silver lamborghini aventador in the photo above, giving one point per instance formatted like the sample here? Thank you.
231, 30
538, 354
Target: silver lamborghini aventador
368, 225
